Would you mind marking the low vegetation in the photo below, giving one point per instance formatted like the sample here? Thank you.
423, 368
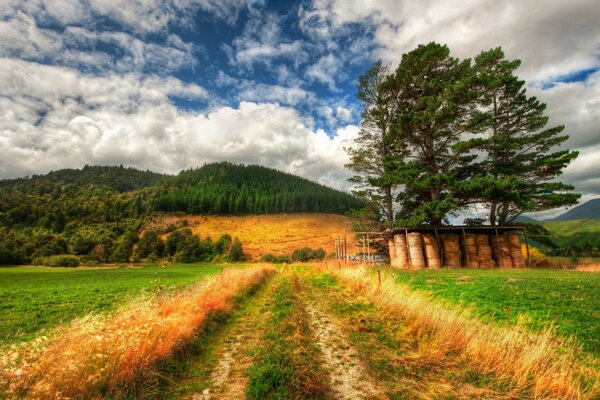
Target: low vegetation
567, 300
37, 299
115, 355
542, 361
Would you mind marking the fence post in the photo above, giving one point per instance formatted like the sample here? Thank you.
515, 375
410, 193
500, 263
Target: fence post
379, 277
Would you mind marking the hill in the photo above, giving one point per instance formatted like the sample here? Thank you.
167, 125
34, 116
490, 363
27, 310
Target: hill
587, 210
97, 212
523, 219
225, 188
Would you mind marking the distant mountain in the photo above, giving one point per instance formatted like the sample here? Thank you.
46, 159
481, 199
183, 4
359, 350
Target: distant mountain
588, 210
523, 219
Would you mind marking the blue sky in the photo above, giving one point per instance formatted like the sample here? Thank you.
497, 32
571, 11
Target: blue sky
172, 84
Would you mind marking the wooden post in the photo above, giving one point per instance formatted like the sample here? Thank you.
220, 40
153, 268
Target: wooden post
368, 250
379, 277
465, 246
408, 249
527, 248
499, 248
440, 247
364, 247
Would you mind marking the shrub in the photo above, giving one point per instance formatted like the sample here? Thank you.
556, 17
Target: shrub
62, 260
275, 259
307, 254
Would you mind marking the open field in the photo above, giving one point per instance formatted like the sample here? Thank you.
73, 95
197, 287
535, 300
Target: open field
276, 234
35, 298
567, 299
313, 333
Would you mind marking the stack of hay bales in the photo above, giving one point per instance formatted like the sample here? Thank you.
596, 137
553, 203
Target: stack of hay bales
452, 253
501, 251
514, 240
471, 247
432, 251
400, 252
415, 250
484, 252
392, 250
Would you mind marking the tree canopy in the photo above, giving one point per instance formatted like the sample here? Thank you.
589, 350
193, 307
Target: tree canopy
450, 133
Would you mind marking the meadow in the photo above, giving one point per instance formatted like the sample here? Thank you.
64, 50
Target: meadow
540, 298
36, 298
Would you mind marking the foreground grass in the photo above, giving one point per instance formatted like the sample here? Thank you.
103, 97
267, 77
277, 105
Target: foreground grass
541, 362
117, 355
568, 300
32, 299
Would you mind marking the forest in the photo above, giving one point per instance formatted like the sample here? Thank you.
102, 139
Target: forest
97, 212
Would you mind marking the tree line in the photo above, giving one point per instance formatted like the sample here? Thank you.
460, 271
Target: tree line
441, 135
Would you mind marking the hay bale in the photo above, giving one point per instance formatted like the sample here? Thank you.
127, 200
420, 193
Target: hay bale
401, 253
514, 239
415, 250
452, 252
501, 251
484, 251
432, 251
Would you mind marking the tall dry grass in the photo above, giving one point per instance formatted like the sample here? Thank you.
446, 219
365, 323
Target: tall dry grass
99, 355
542, 362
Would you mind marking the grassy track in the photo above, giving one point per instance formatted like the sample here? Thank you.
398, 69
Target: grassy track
287, 365
32, 299
569, 299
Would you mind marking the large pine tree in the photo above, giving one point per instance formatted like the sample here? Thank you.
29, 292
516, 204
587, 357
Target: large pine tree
373, 145
519, 165
437, 107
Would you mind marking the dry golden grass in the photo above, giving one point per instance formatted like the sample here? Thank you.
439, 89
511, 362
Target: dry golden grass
274, 233
112, 354
540, 361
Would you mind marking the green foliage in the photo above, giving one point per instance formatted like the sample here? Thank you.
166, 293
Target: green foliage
517, 173
62, 260
150, 244
306, 254
235, 253
276, 259
225, 188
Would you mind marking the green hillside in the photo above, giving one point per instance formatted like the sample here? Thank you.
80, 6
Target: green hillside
567, 238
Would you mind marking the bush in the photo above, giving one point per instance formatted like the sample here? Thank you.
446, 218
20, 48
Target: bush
236, 253
275, 259
307, 254
62, 260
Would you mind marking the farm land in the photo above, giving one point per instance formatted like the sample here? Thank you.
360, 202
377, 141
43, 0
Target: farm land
318, 331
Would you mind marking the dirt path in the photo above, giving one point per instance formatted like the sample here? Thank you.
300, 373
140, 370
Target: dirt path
227, 379
349, 379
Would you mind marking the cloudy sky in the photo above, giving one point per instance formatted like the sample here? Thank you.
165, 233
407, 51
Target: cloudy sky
172, 84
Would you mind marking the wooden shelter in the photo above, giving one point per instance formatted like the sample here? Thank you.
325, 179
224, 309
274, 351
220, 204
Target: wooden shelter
457, 246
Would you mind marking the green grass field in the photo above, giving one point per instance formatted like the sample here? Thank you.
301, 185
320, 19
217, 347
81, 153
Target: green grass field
32, 298
569, 299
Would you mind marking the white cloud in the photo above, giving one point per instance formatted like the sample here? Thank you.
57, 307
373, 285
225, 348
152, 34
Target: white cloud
21, 37
262, 41
59, 117
326, 70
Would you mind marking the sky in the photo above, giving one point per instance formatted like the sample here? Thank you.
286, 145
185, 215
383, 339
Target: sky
172, 84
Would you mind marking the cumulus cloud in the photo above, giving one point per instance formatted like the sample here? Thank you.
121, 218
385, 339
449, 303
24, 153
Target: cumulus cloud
67, 119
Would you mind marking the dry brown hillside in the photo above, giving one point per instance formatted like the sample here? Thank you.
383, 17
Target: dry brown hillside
275, 234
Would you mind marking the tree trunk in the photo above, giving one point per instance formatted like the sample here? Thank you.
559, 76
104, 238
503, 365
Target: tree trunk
389, 204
